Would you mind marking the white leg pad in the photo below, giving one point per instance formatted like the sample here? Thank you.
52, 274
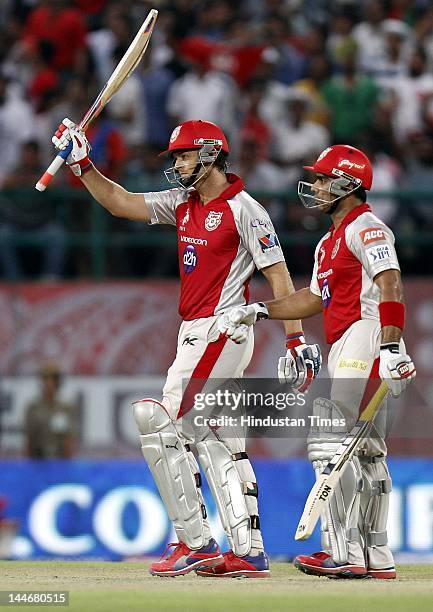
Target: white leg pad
339, 522
168, 461
373, 520
227, 489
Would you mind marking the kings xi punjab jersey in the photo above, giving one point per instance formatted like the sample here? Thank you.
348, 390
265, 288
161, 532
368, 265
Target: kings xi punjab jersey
219, 245
346, 261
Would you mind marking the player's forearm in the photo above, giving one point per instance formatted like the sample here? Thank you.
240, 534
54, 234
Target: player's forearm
282, 286
300, 305
114, 197
391, 297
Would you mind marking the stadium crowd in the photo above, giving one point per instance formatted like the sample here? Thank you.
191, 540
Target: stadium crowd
283, 78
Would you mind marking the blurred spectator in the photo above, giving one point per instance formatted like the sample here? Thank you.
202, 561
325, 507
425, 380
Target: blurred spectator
369, 35
16, 125
51, 425
408, 98
393, 62
102, 43
258, 174
387, 177
109, 151
292, 63
126, 107
64, 26
340, 29
297, 140
418, 178
204, 94
44, 80
319, 70
22, 212
252, 126
350, 96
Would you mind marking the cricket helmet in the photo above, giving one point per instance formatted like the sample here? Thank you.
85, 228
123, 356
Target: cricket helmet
196, 134
344, 160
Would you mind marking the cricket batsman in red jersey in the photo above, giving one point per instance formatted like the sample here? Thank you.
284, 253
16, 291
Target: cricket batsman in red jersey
356, 284
223, 235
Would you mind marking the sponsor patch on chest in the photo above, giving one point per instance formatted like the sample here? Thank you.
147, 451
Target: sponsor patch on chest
268, 242
372, 234
213, 220
378, 253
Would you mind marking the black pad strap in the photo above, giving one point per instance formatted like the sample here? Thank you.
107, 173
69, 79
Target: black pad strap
255, 521
250, 488
239, 456
187, 448
197, 477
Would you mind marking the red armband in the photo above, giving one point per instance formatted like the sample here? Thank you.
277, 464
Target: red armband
392, 313
293, 340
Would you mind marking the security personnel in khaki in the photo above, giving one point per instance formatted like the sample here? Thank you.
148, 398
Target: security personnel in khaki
51, 425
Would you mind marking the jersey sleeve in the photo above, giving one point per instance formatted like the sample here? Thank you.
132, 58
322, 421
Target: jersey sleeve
314, 285
162, 205
372, 242
258, 235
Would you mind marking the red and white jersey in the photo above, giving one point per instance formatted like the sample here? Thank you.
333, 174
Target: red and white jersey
346, 261
219, 244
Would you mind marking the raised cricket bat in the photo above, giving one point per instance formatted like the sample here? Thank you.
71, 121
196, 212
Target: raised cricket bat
328, 479
124, 68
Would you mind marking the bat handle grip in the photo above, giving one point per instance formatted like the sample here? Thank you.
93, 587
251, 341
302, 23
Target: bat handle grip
55, 165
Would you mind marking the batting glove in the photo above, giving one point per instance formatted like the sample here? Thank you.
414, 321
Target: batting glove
301, 364
396, 369
78, 159
235, 323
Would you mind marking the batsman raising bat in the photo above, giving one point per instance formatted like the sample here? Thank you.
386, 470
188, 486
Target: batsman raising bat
356, 284
223, 235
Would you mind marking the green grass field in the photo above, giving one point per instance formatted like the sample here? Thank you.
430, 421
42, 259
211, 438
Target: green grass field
108, 587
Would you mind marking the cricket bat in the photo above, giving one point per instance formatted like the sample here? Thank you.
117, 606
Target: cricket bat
124, 68
328, 479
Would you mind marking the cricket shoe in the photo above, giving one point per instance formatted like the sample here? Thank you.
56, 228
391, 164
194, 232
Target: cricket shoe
387, 573
322, 564
183, 560
232, 566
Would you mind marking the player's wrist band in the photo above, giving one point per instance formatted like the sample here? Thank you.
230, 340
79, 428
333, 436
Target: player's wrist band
293, 340
392, 347
86, 167
392, 313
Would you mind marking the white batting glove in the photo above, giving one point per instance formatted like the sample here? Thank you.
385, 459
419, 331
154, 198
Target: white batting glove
301, 364
235, 323
78, 159
396, 369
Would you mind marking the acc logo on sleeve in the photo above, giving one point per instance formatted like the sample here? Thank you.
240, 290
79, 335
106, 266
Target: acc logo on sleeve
372, 234
268, 242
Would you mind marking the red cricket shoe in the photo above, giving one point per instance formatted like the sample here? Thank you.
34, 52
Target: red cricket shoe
184, 560
322, 564
238, 567
387, 573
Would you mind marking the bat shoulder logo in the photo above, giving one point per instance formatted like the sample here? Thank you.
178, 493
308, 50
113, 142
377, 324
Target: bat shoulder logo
175, 133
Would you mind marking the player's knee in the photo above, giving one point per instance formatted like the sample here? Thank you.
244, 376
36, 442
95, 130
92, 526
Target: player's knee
328, 430
150, 415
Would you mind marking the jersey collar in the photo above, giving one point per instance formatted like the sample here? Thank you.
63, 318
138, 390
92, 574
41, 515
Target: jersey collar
352, 215
236, 185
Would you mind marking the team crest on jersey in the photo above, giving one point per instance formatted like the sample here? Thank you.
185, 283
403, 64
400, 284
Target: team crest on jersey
175, 133
213, 220
336, 247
